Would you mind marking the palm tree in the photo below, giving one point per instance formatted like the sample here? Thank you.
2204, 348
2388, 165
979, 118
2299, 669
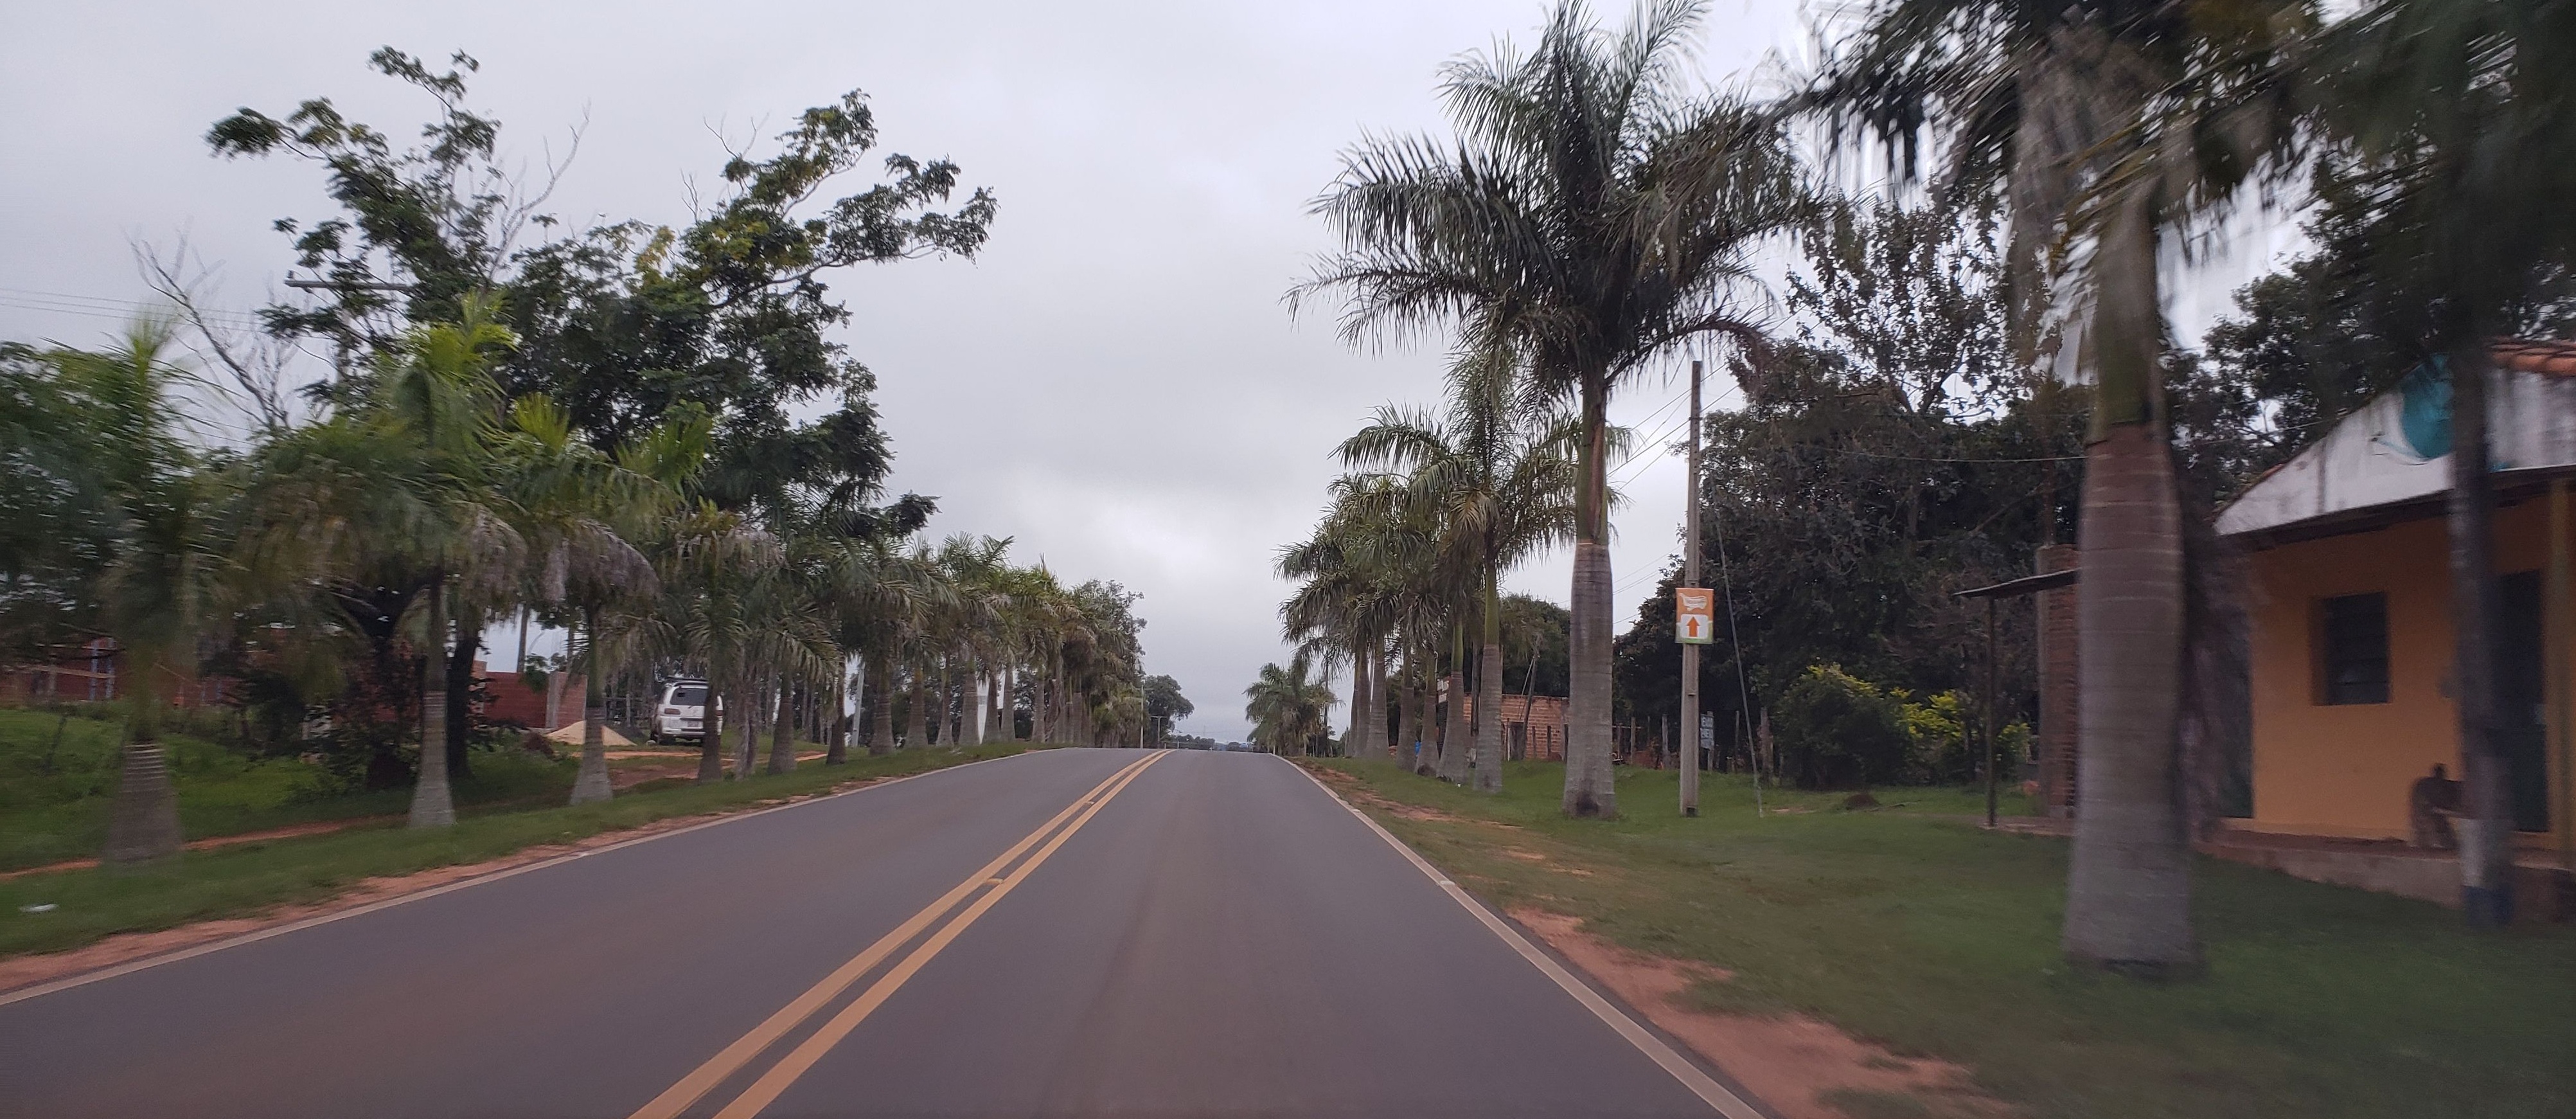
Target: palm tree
1594, 216
976, 568
709, 569
1501, 476
878, 592
577, 509
391, 504
2462, 118
2104, 125
1288, 706
1323, 609
165, 566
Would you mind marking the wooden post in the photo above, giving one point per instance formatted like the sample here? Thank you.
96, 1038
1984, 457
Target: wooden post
1987, 718
2556, 629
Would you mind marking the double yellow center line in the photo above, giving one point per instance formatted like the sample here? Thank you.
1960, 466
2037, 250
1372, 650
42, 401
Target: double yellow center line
990, 883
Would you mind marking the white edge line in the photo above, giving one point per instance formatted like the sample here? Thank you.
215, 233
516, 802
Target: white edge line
129, 967
1717, 1096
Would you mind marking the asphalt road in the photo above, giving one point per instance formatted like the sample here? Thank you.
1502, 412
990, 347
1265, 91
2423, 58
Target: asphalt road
1052, 934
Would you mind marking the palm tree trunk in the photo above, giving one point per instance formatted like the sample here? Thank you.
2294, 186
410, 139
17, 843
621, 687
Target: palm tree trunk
1489, 692
1454, 746
992, 729
711, 735
1006, 706
1359, 743
1588, 788
836, 750
1426, 756
782, 734
1379, 696
2128, 888
591, 783
2485, 825
1401, 750
460, 693
143, 823
1455, 749
745, 717
938, 726
880, 683
432, 805
916, 715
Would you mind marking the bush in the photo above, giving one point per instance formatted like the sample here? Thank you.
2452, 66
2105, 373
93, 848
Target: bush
1941, 753
1834, 730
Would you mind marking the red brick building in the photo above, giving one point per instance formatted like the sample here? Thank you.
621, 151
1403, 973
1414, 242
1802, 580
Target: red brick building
1533, 726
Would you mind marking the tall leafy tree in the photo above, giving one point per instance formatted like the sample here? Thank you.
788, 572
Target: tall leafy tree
1595, 215
1164, 703
623, 323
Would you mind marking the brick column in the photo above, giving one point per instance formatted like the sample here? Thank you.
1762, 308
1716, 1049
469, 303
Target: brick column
2058, 708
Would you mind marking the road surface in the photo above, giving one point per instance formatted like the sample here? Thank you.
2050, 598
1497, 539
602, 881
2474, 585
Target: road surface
1067, 932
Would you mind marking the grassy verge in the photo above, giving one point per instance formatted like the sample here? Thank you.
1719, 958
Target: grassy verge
231, 881
56, 774
1910, 927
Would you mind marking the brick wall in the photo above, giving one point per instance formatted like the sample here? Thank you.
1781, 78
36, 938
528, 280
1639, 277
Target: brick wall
2057, 686
1533, 726
512, 700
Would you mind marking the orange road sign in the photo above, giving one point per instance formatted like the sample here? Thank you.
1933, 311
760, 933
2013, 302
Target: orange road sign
1694, 615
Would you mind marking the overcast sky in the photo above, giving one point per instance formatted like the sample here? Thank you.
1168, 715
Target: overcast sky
1114, 381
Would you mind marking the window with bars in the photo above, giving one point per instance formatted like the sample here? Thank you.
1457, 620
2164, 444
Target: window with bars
2353, 634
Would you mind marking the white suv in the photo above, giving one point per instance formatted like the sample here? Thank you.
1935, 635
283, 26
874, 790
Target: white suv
682, 714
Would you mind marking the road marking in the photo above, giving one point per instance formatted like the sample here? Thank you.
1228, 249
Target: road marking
85, 978
1717, 1096
783, 1074
725, 1064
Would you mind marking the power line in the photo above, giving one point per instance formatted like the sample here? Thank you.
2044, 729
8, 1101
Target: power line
30, 299
1917, 458
1641, 455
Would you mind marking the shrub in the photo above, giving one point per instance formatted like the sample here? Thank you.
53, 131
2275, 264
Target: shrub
1940, 751
1835, 730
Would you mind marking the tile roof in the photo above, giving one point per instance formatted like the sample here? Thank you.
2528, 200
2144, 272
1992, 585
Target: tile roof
2533, 355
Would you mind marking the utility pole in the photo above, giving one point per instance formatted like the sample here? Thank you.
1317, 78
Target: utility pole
1690, 578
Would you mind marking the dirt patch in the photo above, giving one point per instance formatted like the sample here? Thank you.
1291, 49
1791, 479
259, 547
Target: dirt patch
1795, 1064
624, 777
1529, 856
24, 971
1358, 794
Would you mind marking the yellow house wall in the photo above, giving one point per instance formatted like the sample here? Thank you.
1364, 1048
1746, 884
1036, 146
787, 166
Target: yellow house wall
2344, 769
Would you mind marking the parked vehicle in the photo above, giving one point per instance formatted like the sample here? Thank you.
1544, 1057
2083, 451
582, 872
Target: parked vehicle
682, 714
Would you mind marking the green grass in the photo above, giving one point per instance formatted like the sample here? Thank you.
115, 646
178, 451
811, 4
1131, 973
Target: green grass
1910, 927
246, 878
54, 790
